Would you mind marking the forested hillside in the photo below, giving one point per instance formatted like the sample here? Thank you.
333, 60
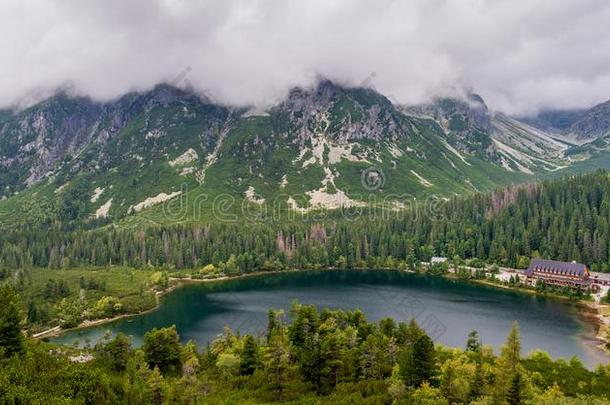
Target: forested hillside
566, 219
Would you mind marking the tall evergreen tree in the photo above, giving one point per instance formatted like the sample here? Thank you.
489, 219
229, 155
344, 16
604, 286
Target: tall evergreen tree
514, 392
508, 363
12, 341
510, 354
473, 344
249, 359
277, 365
417, 363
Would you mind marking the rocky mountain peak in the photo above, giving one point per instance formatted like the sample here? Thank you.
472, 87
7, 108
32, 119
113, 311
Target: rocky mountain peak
317, 142
466, 121
342, 113
594, 124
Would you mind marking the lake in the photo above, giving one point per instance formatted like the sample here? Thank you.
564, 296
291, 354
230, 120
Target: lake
446, 309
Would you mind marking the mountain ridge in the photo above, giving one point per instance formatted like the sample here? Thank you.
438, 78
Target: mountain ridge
319, 148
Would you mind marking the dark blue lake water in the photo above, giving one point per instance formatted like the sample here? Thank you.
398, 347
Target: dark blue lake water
447, 309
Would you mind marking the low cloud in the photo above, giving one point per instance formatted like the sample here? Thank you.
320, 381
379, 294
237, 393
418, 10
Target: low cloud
520, 56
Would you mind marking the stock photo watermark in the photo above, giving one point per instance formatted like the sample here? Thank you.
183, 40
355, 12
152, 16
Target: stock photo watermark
239, 207
408, 307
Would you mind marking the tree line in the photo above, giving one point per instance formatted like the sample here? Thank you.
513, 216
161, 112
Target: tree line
566, 219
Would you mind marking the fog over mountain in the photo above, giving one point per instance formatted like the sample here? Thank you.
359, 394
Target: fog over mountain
520, 56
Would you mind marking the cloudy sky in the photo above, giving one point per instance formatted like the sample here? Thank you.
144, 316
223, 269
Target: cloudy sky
520, 55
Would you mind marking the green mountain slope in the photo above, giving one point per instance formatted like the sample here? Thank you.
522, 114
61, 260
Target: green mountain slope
168, 155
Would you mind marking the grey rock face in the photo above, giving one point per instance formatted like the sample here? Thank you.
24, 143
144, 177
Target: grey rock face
553, 121
65, 136
342, 114
594, 124
35, 142
467, 122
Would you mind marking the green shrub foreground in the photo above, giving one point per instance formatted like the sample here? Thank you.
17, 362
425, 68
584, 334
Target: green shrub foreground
319, 357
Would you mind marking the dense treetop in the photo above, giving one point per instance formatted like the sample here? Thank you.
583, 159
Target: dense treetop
566, 219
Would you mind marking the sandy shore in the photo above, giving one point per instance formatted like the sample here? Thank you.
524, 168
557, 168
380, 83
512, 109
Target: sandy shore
599, 315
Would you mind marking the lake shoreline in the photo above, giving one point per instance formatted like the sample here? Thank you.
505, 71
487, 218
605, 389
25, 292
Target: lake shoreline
595, 314
179, 282
589, 312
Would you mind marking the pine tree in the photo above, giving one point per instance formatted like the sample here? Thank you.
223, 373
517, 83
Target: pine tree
12, 341
507, 365
277, 365
423, 360
249, 360
417, 363
330, 352
514, 392
473, 344
32, 315
272, 324
511, 351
